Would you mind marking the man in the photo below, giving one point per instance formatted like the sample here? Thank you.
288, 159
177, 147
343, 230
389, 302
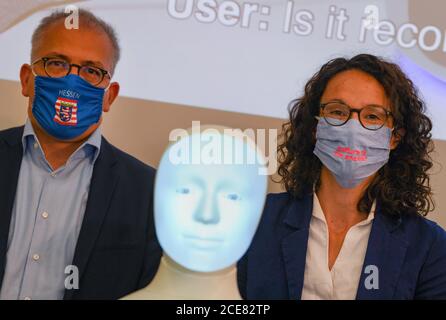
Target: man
76, 218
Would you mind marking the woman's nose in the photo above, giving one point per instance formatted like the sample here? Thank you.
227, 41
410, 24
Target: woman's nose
354, 115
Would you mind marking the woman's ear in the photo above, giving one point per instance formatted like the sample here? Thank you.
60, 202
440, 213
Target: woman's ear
397, 136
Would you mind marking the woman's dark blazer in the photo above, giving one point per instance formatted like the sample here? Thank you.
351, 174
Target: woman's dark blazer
408, 251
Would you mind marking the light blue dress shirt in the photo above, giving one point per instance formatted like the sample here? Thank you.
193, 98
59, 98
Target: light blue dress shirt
46, 219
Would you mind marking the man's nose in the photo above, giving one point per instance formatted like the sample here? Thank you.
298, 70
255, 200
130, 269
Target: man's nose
75, 69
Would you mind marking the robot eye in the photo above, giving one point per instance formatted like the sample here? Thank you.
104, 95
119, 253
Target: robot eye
233, 197
183, 190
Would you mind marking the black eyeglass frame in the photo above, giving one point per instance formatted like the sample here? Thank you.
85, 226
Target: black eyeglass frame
45, 60
358, 111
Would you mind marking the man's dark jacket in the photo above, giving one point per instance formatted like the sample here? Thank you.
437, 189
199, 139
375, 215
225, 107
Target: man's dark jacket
117, 251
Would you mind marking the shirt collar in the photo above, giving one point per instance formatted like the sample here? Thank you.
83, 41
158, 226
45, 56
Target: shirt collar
95, 142
27, 131
91, 145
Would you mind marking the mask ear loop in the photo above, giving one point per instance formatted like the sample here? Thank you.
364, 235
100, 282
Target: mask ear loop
108, 87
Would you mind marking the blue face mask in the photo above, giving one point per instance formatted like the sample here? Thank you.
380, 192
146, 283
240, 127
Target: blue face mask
66, 107
351, 152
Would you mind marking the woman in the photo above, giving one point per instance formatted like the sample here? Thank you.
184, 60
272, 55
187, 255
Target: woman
351, 225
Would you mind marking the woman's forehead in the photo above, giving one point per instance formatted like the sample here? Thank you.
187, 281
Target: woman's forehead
356, 88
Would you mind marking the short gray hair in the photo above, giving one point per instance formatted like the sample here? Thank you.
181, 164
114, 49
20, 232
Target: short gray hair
85, 17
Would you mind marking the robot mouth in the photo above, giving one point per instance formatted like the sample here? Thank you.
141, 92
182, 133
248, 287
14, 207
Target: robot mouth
201, 242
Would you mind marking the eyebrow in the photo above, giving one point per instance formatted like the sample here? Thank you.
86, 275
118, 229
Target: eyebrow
368, 104
85, 62
336, 100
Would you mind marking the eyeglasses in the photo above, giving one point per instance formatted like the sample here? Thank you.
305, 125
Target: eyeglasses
371, 117
58, 68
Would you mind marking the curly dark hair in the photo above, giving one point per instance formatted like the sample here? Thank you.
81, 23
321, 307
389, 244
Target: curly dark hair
402, 185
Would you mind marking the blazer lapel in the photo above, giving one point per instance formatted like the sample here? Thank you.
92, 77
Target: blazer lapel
11, 153
294, 245
103, 183
386, 251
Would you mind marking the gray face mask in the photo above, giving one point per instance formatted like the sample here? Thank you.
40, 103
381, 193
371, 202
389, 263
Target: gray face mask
351, 152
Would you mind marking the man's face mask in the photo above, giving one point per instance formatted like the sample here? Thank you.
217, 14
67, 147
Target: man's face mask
66, 107
350, 151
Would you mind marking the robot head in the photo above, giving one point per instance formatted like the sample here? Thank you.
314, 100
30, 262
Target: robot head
209, 198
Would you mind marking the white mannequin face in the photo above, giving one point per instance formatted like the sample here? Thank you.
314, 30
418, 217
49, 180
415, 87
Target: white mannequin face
206, 214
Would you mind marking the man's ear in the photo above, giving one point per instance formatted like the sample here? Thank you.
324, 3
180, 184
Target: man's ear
397, 135
110, 96
26, 76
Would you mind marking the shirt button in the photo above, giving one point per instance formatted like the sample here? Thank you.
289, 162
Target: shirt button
36, 145
45, 215
36, 257
27, 298
53, 174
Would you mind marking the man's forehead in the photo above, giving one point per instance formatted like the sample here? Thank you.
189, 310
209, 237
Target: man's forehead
69, 57
84, 45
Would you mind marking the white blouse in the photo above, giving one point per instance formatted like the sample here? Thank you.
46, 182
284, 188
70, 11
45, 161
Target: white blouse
341, 282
